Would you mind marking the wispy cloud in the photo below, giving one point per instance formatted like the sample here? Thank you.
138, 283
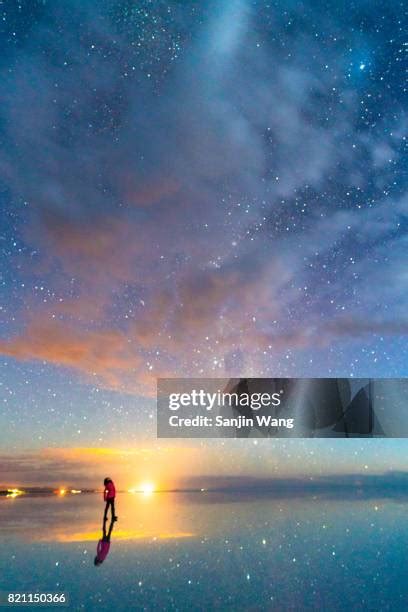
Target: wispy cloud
164, 465
239, 205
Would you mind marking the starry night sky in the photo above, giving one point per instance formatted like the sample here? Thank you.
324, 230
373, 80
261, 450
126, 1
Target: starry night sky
196, 189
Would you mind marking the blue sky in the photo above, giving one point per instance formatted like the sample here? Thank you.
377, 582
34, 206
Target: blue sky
197, 189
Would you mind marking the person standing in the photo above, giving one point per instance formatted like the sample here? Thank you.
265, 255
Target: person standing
109, 495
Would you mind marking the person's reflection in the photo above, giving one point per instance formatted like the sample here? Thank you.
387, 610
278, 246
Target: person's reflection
102, 550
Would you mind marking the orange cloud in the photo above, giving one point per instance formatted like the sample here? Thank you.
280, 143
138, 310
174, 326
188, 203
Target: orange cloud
97, 353
164, 465
178, 332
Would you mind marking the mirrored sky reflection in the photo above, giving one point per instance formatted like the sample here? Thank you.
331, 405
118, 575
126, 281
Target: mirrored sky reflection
172, 550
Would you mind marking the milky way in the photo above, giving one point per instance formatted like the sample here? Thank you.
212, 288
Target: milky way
204, 189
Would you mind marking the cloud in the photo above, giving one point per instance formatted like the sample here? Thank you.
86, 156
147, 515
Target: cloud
96, 354
194, 327
82, 467
188, 206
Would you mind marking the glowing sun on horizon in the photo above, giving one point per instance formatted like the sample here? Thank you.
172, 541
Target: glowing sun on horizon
147, 488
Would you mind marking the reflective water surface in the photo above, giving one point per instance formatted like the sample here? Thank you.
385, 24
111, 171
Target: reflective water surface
205, 550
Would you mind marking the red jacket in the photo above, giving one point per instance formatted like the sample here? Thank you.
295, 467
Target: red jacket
109, 492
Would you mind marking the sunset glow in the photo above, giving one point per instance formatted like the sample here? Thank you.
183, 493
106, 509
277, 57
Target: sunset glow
147, 488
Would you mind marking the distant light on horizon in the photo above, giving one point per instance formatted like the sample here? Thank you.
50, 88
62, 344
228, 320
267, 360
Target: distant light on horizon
147, 488
14, 493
